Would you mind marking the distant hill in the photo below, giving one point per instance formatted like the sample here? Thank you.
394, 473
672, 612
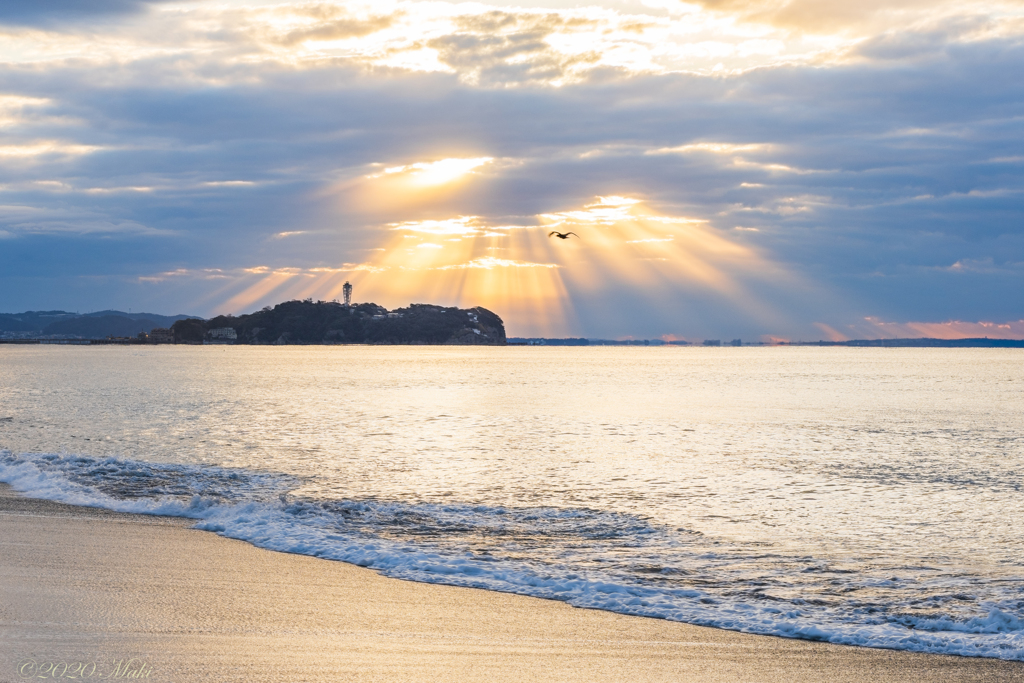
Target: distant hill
156, 318
31, 321
326, 322
98, 325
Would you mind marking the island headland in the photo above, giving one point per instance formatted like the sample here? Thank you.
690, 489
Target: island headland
330, 322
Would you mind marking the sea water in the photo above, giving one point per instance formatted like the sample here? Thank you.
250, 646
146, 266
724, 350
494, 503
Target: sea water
860, 496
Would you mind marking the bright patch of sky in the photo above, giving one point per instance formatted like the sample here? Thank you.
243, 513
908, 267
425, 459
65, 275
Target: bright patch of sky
787, 168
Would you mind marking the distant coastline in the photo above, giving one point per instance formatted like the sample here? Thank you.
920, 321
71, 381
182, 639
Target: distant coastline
329, 322
924, 342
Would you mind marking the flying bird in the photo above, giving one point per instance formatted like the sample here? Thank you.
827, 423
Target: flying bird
562, 235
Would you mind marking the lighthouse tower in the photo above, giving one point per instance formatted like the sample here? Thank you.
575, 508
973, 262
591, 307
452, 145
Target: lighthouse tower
347, 291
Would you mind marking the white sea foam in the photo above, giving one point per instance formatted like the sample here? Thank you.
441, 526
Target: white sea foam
586, 558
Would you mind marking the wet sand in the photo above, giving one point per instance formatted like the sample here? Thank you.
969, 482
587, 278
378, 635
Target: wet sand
80, 584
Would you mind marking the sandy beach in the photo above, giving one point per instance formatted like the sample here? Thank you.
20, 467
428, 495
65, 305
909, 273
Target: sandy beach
87, 585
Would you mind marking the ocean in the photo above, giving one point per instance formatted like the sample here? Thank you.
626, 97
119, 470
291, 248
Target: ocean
858, 496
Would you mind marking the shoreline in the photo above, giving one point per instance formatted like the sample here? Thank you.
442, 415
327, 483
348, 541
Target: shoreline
83, 583
923, 343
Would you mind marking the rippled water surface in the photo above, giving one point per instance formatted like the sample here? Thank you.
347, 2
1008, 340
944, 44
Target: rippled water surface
867, 496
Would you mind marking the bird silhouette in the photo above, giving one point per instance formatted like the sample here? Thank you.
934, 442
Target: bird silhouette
562, 235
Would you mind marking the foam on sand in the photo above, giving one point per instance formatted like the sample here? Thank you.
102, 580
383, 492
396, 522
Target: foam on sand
586, 558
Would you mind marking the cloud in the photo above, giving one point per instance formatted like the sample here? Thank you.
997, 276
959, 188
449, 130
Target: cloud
951, 329
204, 274
986, 266
508, 47
463, 225
824, 16
489, 262
332, 23
36, 148
35, 220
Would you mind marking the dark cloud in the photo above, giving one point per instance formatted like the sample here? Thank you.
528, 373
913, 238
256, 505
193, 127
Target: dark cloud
56, 12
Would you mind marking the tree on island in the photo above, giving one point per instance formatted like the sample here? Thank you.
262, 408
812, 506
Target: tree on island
189, 331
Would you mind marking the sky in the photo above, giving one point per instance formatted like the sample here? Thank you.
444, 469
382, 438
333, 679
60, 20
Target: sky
785, 169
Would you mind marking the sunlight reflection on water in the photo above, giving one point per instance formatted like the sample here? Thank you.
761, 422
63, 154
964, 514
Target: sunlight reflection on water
830, 448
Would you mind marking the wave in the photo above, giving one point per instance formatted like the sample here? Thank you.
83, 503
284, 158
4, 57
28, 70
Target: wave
587, 558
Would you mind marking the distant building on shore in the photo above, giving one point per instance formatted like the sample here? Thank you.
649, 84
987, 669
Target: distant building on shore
222, 335
160, 335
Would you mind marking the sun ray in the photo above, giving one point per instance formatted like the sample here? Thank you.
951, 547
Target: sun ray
272, 281
528, 278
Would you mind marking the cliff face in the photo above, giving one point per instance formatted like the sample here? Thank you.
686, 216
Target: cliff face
323, 322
